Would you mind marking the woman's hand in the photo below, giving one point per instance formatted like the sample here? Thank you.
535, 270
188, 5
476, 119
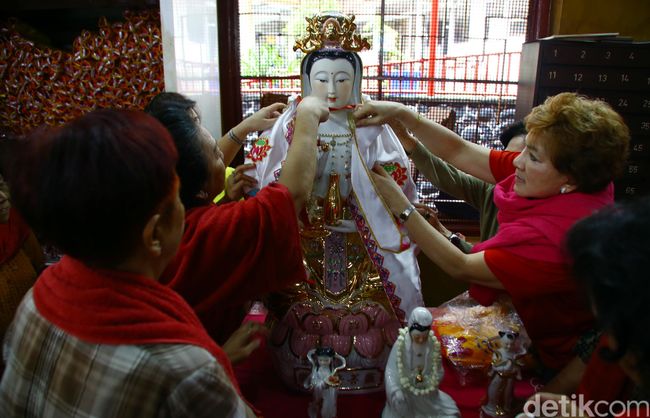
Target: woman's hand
313, 104
263, 119
244, 341
238, 182
389, 190
431, 216
377, 112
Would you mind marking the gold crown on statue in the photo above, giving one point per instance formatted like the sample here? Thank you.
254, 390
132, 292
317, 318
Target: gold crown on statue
331, 30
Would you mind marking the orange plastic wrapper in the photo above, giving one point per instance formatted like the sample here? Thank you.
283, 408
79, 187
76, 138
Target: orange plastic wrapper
464, 328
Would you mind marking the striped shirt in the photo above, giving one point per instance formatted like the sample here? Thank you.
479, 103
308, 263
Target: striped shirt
50, 373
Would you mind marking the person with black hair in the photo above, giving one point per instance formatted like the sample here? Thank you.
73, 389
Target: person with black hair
21, 256
227, 256
611, 257
98, 334
512, 136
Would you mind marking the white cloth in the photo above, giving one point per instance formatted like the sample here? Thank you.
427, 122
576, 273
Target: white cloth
385, 238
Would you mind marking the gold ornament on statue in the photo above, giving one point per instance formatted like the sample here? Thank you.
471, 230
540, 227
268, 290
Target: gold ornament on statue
331, 30
333, 207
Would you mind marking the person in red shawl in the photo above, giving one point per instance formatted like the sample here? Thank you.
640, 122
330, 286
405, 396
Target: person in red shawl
98, 335
234, 252
21, 257
611, 257
575, 147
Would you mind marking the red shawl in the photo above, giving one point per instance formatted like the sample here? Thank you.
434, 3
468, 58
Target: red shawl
116, 307
535, 228
12, 236
236, 252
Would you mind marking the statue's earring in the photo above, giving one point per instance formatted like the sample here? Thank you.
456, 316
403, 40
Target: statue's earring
203, 195
563, 189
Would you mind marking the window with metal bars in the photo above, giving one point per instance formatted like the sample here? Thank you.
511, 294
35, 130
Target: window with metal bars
449, 59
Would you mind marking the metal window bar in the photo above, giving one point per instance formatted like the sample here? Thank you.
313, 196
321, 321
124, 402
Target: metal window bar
416, 60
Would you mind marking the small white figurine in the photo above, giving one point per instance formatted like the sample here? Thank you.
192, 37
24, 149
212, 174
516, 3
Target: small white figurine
414, 371
324, 381
505, 369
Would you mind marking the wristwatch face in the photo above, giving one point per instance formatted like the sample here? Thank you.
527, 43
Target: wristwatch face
407, 212
454, 239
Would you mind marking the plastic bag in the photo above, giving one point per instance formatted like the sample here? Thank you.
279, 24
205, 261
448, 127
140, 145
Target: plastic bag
465, 327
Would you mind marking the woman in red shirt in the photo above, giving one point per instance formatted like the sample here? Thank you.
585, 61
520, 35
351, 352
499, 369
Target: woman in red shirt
238, 251
575, 147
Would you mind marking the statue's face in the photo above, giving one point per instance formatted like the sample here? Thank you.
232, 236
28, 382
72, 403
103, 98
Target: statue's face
332, 80
419, 337
324, 361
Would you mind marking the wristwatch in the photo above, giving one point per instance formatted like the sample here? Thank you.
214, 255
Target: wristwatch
455, 239
407, 213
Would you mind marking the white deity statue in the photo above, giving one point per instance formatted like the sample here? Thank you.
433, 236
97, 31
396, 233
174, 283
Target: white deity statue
323, 381
506, 353
364, 279
414, 371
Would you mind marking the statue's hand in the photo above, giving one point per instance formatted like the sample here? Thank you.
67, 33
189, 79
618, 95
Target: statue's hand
345, 225
398, 401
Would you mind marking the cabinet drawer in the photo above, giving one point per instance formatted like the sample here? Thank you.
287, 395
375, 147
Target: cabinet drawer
639, 125
602, 54
639, 148
636, 171
595, 78
624, 102
625, 189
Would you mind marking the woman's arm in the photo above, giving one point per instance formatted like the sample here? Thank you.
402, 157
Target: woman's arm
261, 120
300, 165
467, 156
468, 267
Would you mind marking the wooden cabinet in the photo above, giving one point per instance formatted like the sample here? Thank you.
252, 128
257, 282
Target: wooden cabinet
613, 71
